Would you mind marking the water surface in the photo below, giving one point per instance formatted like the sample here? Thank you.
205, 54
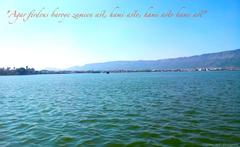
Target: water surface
124, 109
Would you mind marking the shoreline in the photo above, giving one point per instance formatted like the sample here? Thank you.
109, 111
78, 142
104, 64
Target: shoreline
46, 72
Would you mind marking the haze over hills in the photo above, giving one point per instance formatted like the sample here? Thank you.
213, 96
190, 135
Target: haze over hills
52, 69
212, 60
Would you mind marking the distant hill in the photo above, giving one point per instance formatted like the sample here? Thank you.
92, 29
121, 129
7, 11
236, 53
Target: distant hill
212, 60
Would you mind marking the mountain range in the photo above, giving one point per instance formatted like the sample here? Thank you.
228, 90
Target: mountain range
223, 59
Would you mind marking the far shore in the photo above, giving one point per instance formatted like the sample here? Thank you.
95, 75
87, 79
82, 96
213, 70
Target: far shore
31, 71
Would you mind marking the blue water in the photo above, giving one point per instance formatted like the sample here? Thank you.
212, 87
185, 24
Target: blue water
121, 109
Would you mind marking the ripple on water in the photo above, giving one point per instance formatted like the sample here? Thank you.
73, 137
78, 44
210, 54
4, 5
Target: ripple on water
91, 141
169, 127
194, 131
204, 140
65, 140
224, 128
132, 115
231, 138
138, 144
148, 135
133, 127
172, 141
2, 124
191, 112
235, 121
88, 121
114, 145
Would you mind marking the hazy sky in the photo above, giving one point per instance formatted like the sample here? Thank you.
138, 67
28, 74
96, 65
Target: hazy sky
44, 43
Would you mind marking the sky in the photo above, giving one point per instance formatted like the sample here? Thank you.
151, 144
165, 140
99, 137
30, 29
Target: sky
62, 43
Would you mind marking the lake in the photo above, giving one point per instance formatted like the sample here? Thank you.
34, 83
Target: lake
121, 109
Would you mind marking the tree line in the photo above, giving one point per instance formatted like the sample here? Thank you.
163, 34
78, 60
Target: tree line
17, 71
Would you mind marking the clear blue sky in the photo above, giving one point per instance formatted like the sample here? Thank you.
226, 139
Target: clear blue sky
44, 43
